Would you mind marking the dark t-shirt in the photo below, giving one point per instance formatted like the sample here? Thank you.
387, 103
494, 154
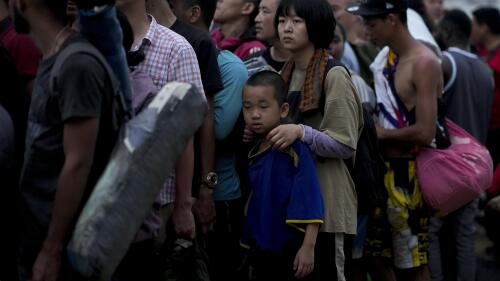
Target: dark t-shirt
206, 53
278, 65
84, 91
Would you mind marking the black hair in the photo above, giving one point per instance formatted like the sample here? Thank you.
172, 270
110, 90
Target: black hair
489, 16
317, 14
58, 9
457, 25
254, 13
272, 79
207, 8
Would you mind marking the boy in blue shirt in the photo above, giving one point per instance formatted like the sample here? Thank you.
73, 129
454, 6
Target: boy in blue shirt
285, 207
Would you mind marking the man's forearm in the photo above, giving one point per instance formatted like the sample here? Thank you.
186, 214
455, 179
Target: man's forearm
183, 177
414, 135
207, 140
72, 184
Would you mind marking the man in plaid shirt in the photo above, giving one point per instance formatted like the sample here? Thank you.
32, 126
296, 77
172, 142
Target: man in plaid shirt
168, 57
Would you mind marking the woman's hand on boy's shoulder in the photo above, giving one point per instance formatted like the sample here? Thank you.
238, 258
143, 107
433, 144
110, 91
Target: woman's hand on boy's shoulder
283, 136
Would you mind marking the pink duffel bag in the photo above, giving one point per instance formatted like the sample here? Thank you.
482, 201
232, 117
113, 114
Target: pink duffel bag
450, 178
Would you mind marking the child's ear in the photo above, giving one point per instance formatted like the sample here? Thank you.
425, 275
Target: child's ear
285, 108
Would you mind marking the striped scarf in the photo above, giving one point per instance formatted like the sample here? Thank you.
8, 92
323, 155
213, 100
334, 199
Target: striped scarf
313, 84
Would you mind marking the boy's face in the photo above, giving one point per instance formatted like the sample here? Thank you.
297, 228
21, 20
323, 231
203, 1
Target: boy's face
261, 110
292, 31
264, 21
378, 30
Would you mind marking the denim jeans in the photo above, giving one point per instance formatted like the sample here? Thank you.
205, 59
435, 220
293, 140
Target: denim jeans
458, 230
101, 27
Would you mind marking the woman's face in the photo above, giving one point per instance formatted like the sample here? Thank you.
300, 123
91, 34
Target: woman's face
292, 32
337, 45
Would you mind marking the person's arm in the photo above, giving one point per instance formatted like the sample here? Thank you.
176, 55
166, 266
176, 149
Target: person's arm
79, 139
428, 85
320, 143
304, 260
182, 215
204, 206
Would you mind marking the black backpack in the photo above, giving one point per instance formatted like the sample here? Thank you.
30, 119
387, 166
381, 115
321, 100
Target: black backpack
368, 168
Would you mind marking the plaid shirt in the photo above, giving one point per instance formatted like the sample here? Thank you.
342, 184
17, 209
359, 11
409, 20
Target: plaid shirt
169, 57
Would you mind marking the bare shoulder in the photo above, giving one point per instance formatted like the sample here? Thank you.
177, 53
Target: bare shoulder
426, 61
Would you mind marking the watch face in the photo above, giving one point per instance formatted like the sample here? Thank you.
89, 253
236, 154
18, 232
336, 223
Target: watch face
211, 179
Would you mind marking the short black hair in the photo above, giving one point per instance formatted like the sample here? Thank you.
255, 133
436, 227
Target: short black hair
317, 14
255, 11
457, 24
58, 9
272, 79
489, 16
207, 8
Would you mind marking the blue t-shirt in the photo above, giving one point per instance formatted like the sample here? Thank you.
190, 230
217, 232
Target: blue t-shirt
227, 108
285, 196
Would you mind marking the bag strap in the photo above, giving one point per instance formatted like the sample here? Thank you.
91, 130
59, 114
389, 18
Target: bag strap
329, 65
89, 49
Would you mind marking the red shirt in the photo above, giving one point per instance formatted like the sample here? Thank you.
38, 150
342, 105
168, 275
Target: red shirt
21, 47
494, 63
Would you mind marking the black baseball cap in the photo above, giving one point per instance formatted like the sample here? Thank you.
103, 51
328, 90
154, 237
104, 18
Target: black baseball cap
377, 7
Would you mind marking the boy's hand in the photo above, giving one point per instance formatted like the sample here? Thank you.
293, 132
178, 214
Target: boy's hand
248, 135
304, 261
283, 136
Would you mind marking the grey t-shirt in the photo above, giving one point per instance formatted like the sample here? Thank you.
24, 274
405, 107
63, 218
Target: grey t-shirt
469, 93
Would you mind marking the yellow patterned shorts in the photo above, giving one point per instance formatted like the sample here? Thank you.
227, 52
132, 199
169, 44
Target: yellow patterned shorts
400, 230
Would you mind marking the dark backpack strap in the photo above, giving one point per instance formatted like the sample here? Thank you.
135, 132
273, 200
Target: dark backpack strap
332, 62
89, 49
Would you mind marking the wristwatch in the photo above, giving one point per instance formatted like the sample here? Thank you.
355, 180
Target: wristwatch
210, 180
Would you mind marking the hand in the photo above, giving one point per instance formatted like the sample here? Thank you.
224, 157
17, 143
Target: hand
494, 203
183, 220
248, 135
283, 136
204, 209
47, 264
304, 261
380, 132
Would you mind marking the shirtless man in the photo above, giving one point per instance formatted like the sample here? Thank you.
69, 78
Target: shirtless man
414, 78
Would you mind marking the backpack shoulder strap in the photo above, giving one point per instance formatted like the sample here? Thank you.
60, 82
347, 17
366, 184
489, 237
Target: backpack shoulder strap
74, 48
332, 62
89, 49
